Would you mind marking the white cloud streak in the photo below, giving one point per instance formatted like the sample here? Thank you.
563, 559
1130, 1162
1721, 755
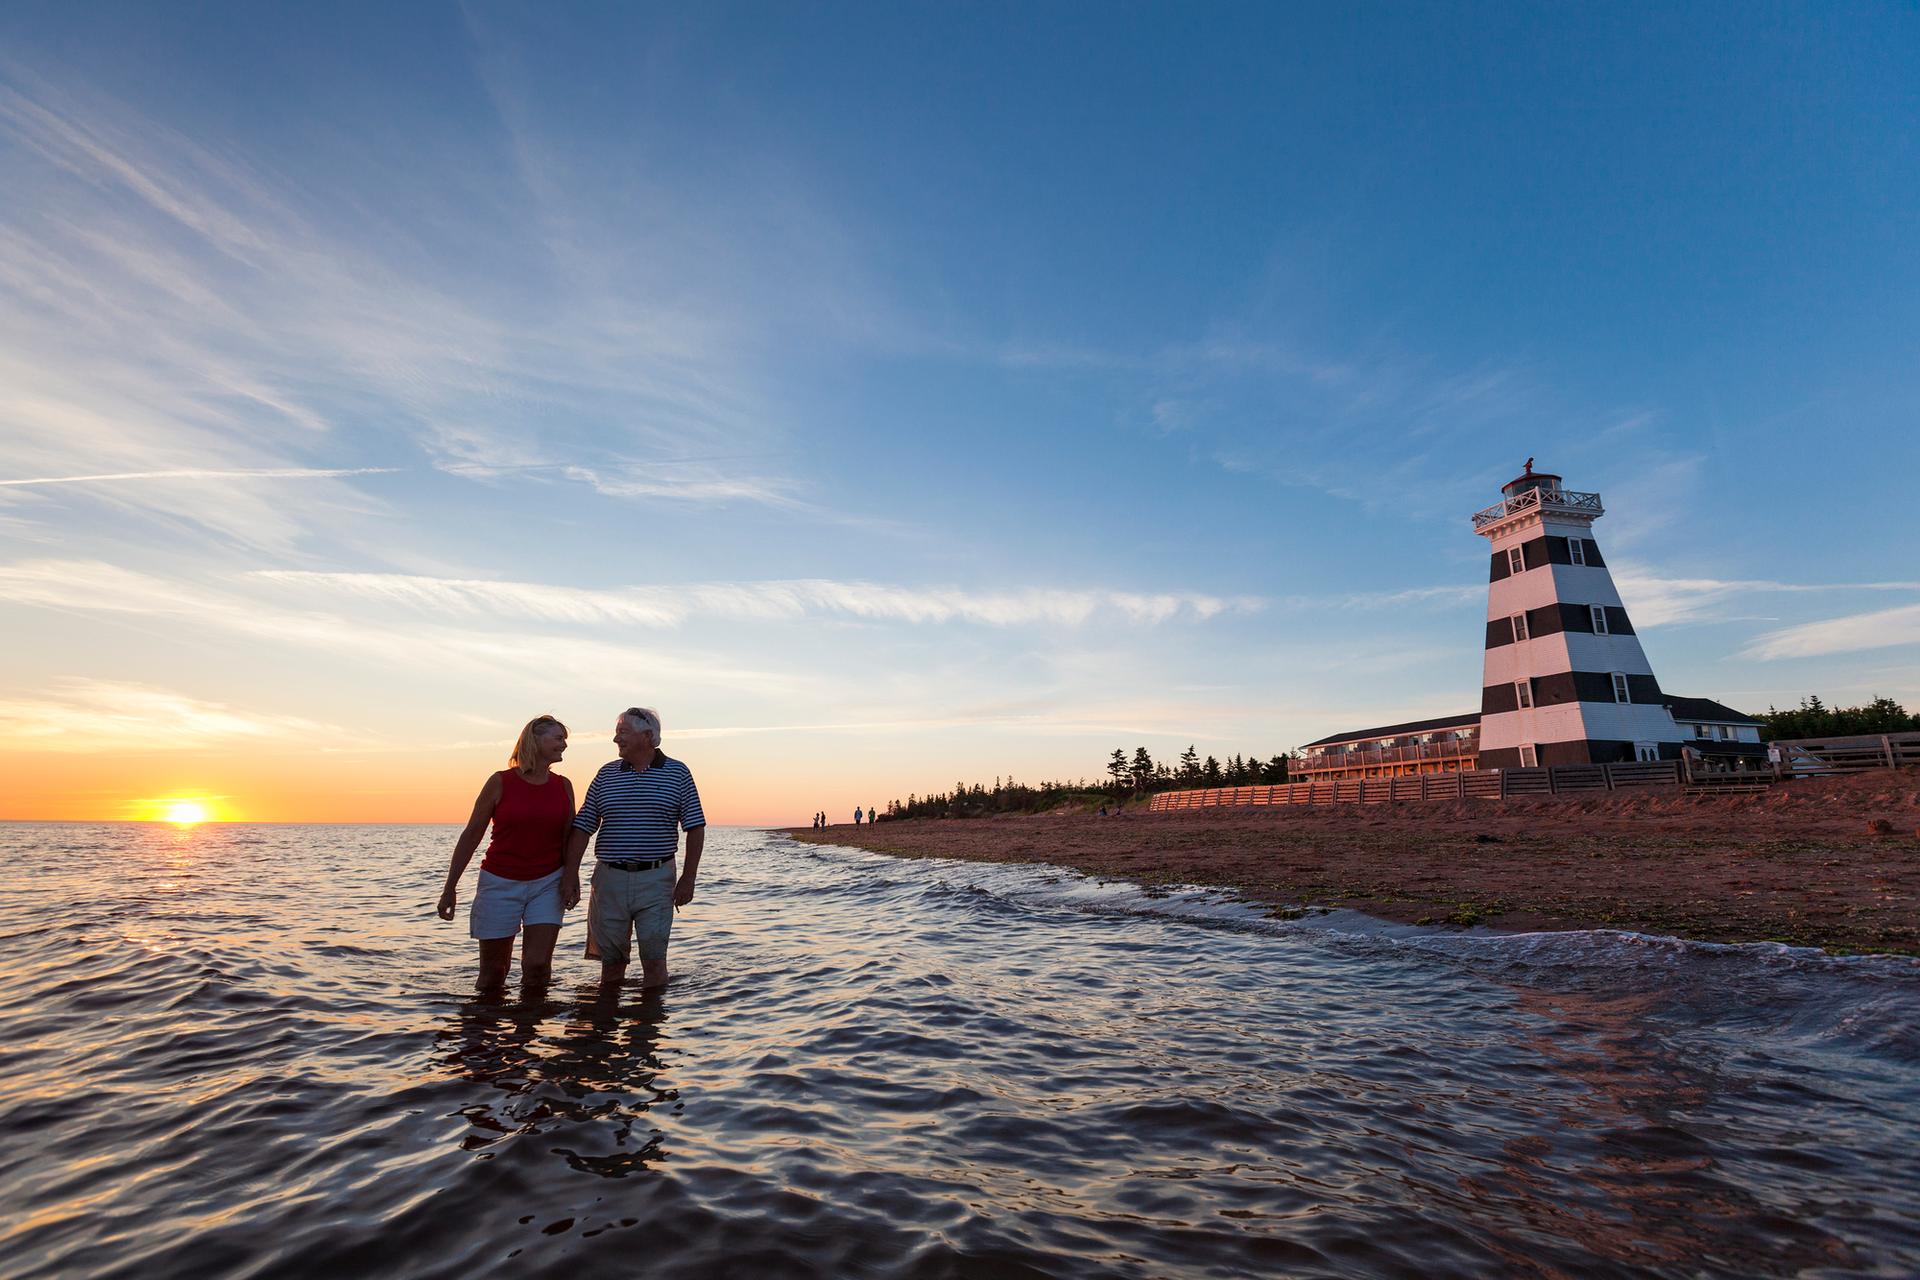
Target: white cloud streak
89, 716
257, 473
1653, 600
1853, 633
95, 587
800, 598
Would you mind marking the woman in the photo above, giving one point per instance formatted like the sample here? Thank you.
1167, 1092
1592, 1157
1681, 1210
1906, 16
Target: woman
531, 809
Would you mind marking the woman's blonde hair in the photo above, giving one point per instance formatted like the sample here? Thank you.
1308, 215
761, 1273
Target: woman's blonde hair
523, 749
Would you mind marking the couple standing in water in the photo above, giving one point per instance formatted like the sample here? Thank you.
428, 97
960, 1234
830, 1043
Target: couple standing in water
530, 875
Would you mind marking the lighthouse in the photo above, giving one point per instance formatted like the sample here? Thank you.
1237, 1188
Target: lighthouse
1565, 679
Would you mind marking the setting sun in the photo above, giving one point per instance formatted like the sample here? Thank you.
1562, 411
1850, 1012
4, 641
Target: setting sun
185, 812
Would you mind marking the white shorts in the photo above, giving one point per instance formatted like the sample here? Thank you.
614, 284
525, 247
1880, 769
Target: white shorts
501, 906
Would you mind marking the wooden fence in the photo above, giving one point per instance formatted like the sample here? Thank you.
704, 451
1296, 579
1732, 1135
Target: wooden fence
1818, 757
1799, 758
1493, 784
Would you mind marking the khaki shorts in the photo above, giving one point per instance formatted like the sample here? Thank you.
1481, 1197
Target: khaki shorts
630, 905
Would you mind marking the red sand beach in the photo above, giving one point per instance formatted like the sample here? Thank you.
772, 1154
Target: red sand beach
1800, 864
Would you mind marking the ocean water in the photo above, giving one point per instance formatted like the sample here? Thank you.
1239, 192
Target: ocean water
250, 1051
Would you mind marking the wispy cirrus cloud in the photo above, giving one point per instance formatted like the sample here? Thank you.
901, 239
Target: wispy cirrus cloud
1655, 600
174, 306
95, 587
257, 473
1854, 633
77, 715
797, 598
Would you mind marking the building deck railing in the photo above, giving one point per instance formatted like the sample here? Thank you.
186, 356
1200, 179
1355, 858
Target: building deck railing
1461, 749
1493, 784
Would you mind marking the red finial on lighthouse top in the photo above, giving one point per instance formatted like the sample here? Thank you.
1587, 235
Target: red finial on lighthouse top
1530, 479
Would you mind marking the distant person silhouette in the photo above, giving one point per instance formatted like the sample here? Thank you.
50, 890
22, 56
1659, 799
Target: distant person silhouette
531, 809
856, 815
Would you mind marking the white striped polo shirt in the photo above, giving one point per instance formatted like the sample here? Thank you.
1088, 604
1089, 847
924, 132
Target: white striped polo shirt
639, 813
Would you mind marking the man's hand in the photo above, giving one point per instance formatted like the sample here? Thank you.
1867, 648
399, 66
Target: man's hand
445, 908
569, 890
683, 890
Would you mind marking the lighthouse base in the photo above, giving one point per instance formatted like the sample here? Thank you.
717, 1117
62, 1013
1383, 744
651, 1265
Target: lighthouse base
1582, 751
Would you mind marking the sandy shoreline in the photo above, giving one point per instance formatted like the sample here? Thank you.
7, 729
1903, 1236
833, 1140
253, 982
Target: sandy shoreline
1799, 865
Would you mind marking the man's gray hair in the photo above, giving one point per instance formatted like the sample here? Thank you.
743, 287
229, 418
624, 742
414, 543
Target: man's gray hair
644, 718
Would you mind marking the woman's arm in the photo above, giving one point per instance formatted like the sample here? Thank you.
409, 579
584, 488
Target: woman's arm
469, 841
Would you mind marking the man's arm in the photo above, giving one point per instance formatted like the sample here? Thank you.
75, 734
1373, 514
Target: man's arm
690, 868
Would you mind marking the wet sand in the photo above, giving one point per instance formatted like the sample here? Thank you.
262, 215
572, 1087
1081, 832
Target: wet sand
1798, 865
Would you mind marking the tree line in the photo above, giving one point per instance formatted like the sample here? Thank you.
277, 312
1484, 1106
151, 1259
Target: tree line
1140, 774
1126, 776
1815, 719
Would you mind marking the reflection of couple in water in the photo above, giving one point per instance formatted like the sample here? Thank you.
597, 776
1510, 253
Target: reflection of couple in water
584, 1088
530, 876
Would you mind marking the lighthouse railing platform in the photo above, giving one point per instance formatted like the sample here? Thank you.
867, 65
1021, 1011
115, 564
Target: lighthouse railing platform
1585, 504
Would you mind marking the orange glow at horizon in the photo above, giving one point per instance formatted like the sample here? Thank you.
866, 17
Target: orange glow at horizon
750, 781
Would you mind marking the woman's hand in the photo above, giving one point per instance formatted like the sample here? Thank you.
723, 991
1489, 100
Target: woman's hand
569, 890
447, 900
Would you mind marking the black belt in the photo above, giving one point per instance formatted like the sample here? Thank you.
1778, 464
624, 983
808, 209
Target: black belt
634, 864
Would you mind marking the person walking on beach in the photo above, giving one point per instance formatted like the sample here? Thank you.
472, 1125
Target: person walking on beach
856, 815
531, 809
637, 805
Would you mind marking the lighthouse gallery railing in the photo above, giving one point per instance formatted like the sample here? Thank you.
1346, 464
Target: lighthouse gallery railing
1586, 504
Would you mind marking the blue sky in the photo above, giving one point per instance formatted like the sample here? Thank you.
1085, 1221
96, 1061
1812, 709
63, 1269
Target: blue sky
900, 395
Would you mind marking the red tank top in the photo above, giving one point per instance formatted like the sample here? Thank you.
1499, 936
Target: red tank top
529, 827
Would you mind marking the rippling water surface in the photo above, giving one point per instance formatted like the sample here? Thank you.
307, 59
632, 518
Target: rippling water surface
248, 1051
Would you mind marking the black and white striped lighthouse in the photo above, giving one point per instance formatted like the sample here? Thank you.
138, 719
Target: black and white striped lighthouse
1565, 680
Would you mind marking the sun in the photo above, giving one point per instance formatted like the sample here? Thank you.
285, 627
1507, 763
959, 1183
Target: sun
184, 813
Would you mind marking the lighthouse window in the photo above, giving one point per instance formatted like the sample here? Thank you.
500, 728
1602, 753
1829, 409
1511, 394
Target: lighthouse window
1516, 561
1523, 693
1599, 614
1577, 548
1529, 759
1620, 687
1519, 626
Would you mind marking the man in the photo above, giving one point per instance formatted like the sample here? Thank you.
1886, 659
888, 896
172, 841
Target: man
638, 805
